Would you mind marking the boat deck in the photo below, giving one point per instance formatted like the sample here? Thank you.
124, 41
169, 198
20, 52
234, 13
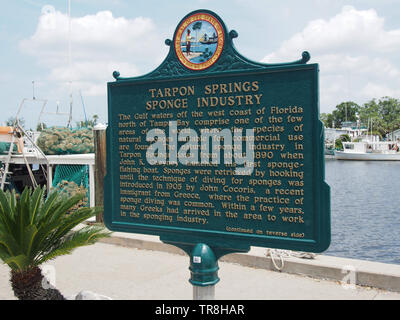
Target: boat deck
52, 160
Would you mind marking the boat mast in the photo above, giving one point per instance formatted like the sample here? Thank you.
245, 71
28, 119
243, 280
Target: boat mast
371, 130
70, 65
33, 90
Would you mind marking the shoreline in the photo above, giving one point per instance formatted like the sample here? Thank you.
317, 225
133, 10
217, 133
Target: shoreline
365, 273
192, 55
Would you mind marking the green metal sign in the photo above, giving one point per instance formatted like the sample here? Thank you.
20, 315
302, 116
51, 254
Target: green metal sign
216, 149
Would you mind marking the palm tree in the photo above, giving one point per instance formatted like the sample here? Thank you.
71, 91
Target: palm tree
196, 27
95, 118
35, 229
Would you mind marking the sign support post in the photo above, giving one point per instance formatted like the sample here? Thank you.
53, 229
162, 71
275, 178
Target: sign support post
204, 272
203, 265
204, 293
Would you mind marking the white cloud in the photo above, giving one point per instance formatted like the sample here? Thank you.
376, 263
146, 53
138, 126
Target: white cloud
350, 31
100, 44
91, 76
355, 54
376, 90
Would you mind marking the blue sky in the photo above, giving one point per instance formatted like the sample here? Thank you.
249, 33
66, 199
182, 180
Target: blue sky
355, 42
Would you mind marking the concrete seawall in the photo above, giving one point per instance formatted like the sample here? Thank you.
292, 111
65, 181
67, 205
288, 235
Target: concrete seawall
359, 272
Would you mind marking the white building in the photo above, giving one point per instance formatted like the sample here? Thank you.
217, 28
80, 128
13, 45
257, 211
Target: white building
348, 128
394, 136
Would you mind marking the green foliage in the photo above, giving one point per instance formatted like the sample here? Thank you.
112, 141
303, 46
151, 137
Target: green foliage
384, 114
342, 138
197, 25
88, 124
35, 229
338, 144
327, 119
345, 138
346, 111
11, 121
68, 189
41, 126
206, 55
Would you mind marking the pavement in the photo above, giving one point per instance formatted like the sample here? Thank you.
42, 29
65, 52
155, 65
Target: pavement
143, 272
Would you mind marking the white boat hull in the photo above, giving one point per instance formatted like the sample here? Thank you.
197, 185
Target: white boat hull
340, 155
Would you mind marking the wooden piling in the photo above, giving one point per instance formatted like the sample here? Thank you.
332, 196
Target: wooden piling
99, 133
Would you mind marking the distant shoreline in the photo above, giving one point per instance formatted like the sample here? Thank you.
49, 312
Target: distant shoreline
192, 55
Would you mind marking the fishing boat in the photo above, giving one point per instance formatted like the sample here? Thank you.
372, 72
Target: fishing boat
208, 40
369, 150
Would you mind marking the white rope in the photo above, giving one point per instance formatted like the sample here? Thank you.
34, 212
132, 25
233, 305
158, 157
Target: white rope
281, 254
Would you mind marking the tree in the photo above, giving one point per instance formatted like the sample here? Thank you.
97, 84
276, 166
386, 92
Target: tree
327, 119
370, 110
389, 109
340, 140
384, 114
34, 230
196, 27
41, 126
89, 123
11, 121
346, 111
95, 118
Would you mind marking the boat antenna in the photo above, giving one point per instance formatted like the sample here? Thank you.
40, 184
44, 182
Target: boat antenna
33, 90
348, 91
70, 65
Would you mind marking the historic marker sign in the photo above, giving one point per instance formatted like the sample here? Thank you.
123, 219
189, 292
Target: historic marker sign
214, 148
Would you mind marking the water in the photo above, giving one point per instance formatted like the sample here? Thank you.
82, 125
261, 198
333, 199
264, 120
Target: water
365, 209
199, 47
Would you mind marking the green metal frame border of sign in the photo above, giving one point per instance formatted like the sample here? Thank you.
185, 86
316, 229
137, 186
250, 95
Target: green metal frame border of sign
230, 62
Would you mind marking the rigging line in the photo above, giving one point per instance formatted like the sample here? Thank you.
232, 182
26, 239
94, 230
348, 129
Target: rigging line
84, 110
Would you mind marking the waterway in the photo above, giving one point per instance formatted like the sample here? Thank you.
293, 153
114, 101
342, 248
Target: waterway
199, 47
365, 209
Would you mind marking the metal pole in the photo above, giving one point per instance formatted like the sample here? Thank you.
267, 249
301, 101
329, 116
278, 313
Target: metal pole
49, 176
204, 293
92, 188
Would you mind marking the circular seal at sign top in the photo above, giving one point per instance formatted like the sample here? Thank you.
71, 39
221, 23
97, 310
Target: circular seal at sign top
199, 41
